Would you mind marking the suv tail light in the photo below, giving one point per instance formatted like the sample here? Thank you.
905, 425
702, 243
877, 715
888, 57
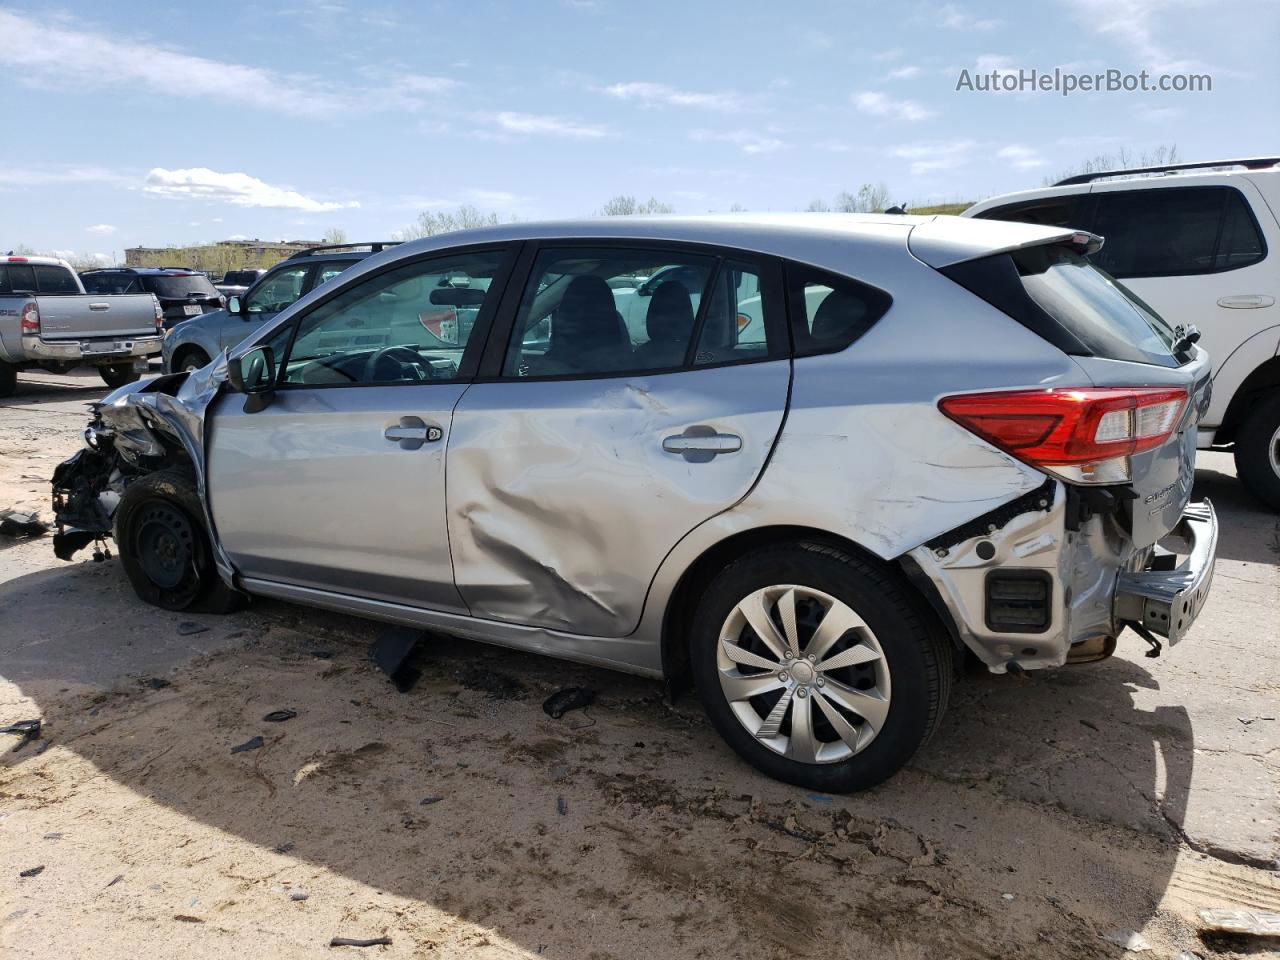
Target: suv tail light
30, 322
159, 313
1084, 435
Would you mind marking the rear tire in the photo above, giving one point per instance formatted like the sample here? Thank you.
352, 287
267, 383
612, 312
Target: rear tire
874, 691
164, 549
1257, 452
118, 374
192, 359
8, 379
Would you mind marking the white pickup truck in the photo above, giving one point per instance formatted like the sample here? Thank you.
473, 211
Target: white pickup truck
48, 321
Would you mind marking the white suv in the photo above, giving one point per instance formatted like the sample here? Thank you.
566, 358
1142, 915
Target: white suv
1201, 244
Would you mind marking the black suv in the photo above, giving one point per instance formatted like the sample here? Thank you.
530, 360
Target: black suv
182, 293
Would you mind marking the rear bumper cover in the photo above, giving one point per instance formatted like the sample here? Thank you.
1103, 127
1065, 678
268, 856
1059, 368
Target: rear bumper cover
1167, 602
109, 349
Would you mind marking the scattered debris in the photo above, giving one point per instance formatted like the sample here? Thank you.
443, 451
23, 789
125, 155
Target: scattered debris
349, 942
298, 895
1248, 720
570, 698
280, 716
1006, 896
1131, 940
284, 847
562, 806
188, 627
157, 683
498, 685
252, 744
116, 879
187, 918
1090, 724
27, 729
1187, 955
391, 651
428, 801
1254, 922
819, 798
32, 872
15, 524
321, 654
54, 836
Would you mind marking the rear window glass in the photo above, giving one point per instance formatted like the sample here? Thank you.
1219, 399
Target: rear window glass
180, 287
111, 283
1175, 231
1105, 315
17, 278
55, 280
829, 312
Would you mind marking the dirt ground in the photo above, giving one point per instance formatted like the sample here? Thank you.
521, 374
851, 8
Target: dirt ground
1052, 810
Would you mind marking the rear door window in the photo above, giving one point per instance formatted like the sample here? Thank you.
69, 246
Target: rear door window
55, 280
1175, 231
829, 312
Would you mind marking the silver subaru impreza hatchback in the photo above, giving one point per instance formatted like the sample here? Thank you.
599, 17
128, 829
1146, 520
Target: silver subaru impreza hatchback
806, 462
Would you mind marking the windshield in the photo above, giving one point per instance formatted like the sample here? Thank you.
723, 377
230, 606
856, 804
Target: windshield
1107, 317
180, 286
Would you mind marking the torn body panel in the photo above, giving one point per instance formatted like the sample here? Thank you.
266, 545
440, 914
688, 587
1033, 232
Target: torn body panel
136, 430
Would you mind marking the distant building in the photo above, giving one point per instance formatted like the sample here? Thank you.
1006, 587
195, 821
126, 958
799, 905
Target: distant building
250, 251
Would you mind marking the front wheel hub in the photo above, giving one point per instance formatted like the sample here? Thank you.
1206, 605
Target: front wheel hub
165, 545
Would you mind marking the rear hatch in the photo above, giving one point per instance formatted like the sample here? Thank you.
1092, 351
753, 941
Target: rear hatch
96, 317
183, 295
1040, 277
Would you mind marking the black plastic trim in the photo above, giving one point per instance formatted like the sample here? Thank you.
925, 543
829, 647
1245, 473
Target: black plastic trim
1040, 499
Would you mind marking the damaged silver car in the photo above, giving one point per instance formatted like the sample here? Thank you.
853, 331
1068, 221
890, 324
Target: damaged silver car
805, 462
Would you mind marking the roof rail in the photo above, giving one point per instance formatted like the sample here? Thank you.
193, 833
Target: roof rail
374, 247
1249, 163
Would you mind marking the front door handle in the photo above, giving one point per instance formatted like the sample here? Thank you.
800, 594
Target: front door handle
99, 306
699, 444
1247, 301
412, 432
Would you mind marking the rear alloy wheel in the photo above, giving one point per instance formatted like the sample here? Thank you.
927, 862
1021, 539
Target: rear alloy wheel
1257, 452
827, 676
118, 374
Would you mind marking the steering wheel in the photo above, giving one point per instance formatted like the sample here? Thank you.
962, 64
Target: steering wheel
398, 352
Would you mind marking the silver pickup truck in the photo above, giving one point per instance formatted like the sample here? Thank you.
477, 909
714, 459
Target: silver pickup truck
48, 321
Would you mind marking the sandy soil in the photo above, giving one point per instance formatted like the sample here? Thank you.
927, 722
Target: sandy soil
1050, 811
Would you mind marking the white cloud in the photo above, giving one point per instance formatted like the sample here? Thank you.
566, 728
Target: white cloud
954, 18
535, 124
103, 228
27, 177
659, 94
882, 105
493, 198
1021, 157
1131, 24
240, 189
931, 157
45, 54
749, 141
902, 73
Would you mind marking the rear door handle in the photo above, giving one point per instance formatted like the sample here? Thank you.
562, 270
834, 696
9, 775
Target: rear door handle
412, 432
699, 444
1247, 301
99, 306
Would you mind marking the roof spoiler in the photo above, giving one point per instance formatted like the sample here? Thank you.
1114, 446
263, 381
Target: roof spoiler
945, 241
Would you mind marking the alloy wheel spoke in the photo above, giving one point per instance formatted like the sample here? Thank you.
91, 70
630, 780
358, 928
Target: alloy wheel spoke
737, 687
858, 653
787, 613
844, 729
746, 658
802, 745
773, 723
872, 707
836, 622
756, 611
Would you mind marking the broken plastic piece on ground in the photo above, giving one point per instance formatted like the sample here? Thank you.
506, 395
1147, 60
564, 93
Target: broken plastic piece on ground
562, 806
349, 942
28, 729
570, 698
157, 683
69, 542
428, 801
252, 744
1255, 922
390, 651
321, 654
298, 895
15, 524
280, 716
1131, 940
33, 872
285, 847
116, 879
189, 627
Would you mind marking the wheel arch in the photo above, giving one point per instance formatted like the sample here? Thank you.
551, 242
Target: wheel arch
698, 574
1262, 379
185, 350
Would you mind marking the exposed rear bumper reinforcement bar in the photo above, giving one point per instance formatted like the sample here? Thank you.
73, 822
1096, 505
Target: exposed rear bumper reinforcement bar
1167, 602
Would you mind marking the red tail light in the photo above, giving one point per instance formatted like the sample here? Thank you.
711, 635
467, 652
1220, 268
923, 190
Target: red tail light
1086, 433
159, 313
30, 322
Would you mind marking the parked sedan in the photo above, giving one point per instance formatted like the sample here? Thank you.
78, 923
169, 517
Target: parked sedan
952, 436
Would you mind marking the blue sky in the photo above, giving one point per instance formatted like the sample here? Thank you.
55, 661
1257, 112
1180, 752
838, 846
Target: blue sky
137, 123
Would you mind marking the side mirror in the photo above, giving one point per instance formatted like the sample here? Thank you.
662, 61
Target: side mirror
233, 305
254, 374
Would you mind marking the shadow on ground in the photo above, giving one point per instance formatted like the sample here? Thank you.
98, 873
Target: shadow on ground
598, 833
